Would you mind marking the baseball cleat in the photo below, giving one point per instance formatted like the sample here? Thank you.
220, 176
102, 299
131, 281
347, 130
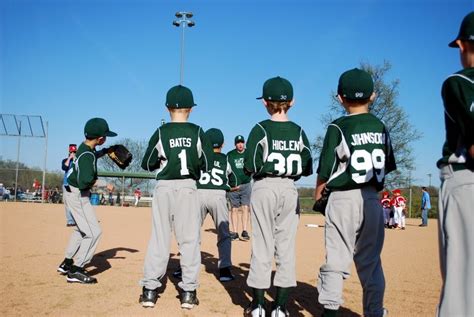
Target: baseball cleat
245, 235
225, 275
257, 311
65, 266
148, 297
178, 273
280, 311
79, 275
189, 299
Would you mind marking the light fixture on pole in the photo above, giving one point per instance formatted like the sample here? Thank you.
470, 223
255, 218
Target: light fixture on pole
183, 21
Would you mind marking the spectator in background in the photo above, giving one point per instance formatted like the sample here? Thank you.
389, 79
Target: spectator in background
425, 206
111, 198
118, 201
66, 166
138, 195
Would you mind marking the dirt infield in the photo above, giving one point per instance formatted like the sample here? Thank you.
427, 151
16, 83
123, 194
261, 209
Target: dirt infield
33, 238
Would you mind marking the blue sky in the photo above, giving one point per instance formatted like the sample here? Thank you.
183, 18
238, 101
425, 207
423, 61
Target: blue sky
69, 61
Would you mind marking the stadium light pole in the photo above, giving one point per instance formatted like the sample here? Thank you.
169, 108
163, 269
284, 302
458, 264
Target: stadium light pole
429, 175
183, 21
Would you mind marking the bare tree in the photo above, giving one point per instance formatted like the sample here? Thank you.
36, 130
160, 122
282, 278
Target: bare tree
387, 109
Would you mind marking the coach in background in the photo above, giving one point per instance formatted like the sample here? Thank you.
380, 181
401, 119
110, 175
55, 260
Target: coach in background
425, 206
456, 198
240, 196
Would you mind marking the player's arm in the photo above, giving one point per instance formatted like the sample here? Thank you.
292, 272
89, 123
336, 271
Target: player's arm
306, 159
151, 159
458, 112
253, 159
328, 158
231, 176
320, 185
205, 152
86, 175
390, 164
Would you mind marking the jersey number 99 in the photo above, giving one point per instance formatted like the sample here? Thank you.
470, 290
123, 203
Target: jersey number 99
368, 164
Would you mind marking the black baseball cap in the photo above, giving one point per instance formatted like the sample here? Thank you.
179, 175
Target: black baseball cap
216, 137
466, 30
277, 89
179, 97
96, 128
239, 139
355, 84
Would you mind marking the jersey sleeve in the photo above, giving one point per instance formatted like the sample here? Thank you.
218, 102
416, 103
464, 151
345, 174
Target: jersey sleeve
151, 159
86, 174
306, 159
390, 164
230, 174
253, 159
457, 107
205, 152
328, 158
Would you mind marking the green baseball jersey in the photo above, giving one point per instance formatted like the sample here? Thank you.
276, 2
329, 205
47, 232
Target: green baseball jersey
83, 173
278, 149
220, 176
178, 150
458, 99
357, 151
236, 160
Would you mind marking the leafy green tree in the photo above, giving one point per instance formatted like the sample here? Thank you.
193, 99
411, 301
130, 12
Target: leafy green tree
387, 109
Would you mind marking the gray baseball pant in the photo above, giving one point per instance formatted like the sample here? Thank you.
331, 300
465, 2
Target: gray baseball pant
87, 231
456, 242
175, 206
274, 223
214, 202
353, 231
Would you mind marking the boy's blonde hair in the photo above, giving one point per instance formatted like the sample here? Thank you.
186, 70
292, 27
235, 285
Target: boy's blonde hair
277, 106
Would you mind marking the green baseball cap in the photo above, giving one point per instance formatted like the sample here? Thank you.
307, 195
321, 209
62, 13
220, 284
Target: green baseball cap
96, 128
466, 31
277, 89
216, 137
179, 97
355, 84
239, 139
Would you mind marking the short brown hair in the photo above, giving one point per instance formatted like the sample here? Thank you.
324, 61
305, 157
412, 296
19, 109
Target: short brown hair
179, 110
278, 106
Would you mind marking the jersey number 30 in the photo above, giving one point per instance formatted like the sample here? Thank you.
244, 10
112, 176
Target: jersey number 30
368, 163
285, 166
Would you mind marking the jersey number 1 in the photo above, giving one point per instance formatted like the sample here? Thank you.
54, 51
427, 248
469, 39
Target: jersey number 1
184, 162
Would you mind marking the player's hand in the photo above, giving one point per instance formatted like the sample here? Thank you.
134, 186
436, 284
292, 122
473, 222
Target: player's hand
234, 189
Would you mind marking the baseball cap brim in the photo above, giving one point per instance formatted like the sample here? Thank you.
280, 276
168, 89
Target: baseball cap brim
453, 44
259, 98
110, 133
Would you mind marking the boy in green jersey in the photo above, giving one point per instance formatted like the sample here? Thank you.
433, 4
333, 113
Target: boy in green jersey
277, 154
456, 199
212, 188
178, 151
356, 156
81, 177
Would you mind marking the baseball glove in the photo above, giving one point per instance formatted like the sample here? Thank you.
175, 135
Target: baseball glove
321, 203
120, 155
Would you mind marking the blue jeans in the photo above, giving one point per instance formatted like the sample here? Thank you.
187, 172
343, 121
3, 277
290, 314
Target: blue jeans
424, 216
